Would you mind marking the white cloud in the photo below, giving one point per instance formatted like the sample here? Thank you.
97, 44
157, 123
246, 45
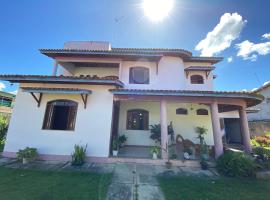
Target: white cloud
250, 51
220, 38
230, 59
2, 86
266, 36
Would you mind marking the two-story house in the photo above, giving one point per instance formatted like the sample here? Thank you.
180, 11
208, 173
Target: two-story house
259, 115
6, 103
97, 92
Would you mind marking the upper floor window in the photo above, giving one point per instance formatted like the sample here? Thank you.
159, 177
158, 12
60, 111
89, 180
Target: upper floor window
196, 79
139, 75
137, 119
60, 115
202, 112
181, 111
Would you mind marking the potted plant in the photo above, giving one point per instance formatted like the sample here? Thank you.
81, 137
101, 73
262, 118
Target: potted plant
122, 139
115, 146
79, 154
187, 153
154, 150
204, 164
27, 155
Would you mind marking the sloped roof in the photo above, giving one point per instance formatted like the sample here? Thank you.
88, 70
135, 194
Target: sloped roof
129, 53
264, 86
7, 95
95, 80
251, 98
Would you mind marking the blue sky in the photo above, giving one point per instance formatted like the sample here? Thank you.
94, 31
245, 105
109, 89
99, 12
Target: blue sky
29, 25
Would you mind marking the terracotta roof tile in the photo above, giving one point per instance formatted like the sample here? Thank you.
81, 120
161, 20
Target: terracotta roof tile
108, 80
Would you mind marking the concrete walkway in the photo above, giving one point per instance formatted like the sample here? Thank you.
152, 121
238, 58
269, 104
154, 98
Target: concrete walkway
137, 181
129, 182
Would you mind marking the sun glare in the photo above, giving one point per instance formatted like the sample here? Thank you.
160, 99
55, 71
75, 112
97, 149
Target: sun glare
157, 10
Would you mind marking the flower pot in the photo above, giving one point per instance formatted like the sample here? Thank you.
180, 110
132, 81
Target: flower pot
186, 155
115, 152
25, 161
204, 165
154, 156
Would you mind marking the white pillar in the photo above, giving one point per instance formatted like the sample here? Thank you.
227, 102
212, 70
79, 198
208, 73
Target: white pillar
216, 130
245, 129
55, 67
164, 129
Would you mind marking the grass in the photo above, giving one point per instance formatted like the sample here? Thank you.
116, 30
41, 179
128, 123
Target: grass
32, 184
206, 189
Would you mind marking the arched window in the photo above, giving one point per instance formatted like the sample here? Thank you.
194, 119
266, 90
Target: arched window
202, 111
196, 79
139, 75
181, 111
60, 115
137, 119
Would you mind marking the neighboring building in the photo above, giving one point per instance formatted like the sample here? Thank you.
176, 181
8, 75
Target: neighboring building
6, 103
101, 92
259, 115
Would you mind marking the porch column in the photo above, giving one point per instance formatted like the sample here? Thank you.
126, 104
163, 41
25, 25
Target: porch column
245, 129
164, 129
216, 130
55, 67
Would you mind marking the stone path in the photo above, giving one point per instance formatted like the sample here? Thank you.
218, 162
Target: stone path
129, 182
137, 181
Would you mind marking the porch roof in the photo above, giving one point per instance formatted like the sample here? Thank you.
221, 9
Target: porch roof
91, 80
250, 98
56, 90
200, 68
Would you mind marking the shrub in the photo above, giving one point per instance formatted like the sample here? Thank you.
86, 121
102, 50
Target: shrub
262, 153
3, 127
261, 141
79, 154
28, 153
236, 164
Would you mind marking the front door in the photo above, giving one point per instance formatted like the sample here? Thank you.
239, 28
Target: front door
233, 130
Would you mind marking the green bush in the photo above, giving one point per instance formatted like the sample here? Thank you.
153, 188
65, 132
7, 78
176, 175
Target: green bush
3, 127
262, 153
28, 153
236, 164
261, 141
79, 154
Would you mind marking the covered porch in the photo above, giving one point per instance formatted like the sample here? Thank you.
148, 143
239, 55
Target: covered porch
186, 110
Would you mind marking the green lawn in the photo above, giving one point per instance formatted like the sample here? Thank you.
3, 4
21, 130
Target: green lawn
188, 188
30, 184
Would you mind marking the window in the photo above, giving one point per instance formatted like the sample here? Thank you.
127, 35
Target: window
181, 111
137, 119
196, 79
60, 115
139, 75
202, 112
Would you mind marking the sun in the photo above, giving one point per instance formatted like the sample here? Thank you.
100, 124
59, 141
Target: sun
157, 10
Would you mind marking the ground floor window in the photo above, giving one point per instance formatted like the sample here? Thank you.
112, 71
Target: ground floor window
60, 115
137, 119
202, 112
